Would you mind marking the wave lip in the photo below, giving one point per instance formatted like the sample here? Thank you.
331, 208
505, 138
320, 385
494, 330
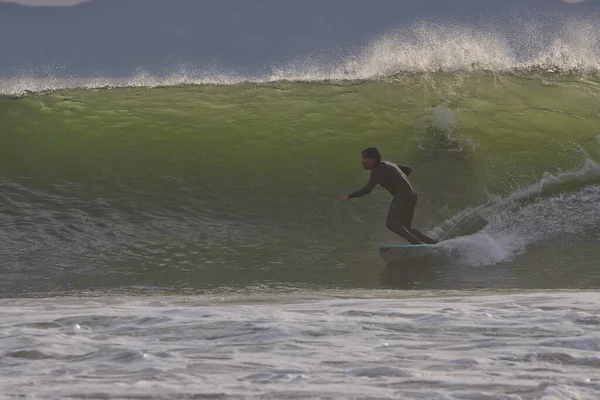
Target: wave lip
569, 46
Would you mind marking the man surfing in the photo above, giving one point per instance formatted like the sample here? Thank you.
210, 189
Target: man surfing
393, 178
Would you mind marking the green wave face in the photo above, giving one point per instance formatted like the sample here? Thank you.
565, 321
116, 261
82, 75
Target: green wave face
235, 182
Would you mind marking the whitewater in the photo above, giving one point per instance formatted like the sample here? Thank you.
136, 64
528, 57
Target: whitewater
302, 345
573, 47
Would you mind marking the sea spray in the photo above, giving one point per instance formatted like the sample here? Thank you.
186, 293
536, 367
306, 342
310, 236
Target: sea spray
437, 129
537, 214
420, 48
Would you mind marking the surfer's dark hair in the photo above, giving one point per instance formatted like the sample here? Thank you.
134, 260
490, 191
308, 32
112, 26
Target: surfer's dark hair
372, 153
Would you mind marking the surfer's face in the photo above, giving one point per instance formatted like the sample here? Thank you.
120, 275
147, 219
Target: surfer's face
368, 163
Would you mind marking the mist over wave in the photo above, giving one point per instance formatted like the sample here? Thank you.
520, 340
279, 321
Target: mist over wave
572, 46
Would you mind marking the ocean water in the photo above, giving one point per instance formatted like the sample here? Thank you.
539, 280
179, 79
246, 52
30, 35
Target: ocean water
351, 345
177, 235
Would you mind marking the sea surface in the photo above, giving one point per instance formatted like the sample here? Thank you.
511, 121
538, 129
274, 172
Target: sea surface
178, 235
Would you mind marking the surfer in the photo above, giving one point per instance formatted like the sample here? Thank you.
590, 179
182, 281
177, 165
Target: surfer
393, 178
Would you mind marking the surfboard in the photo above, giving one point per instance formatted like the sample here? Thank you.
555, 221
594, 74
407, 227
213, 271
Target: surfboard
399, 251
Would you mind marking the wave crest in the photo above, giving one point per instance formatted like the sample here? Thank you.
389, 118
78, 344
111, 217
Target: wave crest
572, 46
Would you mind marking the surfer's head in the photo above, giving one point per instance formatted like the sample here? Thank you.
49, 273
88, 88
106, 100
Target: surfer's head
371, 158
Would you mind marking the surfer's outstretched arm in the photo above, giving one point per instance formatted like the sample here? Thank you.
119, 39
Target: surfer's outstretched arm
362, 192
365, 190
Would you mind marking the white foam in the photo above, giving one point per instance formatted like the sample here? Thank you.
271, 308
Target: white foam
576, 46
437, 129
20, 85
343, 345
572, 44
526, 217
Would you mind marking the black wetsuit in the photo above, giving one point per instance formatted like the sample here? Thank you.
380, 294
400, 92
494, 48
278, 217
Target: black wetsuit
394, 178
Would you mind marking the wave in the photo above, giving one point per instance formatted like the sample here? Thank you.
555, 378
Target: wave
571, 46
236, 184
558, 208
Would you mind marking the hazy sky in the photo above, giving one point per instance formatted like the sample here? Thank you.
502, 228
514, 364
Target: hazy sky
71, 2
46, 2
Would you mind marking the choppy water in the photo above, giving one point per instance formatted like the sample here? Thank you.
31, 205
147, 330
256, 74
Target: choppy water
337, 345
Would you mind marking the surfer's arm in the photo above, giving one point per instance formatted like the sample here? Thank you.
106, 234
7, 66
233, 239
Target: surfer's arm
405, 168
365, 190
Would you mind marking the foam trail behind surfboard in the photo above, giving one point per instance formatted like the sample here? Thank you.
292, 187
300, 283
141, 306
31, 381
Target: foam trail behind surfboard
391, 253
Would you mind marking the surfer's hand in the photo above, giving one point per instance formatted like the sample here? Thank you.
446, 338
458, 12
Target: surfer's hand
343, 199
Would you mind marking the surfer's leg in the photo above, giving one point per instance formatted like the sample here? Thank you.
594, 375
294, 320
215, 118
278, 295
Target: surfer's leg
398, 220
423, 238
403, 232
409, 211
